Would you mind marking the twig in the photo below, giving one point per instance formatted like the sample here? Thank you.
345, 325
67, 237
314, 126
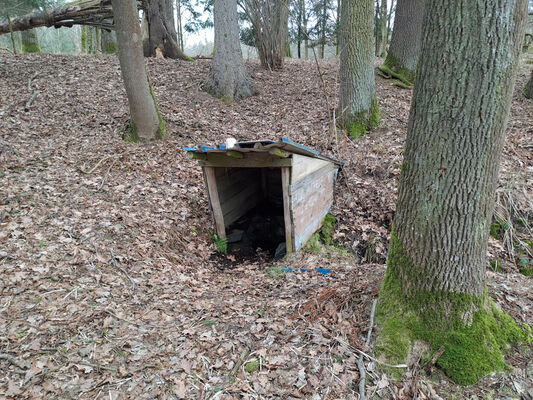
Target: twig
434, 359
106, 175
96, 166
115, 263
34, 93
372, 313
369, 356
362, 377
13, 361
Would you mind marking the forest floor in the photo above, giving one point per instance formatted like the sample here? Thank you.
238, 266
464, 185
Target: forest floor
108, 287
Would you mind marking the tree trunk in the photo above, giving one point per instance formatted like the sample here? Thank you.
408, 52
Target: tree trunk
161, 30
529, 87
109, 41
358, 108
270, 22
381, 29
228, 78
306, 35
30, 43
402, 58
434, 288
180, 25
323, 24
146, 122
301, 8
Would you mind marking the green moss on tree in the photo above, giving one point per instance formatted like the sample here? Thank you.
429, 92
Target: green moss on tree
30, 48
360, 123
161, 128
392, 68
110, 48
472, 330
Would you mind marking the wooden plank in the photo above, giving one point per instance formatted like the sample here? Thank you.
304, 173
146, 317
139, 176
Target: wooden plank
234, 154
214, 200
191, 155
244, 200
250, 160
303, 166
311, 199
285, 182
230, 181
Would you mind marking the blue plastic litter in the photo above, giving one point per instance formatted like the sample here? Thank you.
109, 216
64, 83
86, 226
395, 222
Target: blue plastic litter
323, 271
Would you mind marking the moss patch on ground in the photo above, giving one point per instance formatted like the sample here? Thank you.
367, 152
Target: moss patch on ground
31, 48
472, 330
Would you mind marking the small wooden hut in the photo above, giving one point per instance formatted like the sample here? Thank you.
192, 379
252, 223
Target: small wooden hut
281, 177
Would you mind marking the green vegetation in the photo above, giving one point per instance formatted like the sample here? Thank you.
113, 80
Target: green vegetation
498, 228
496, 265
110, 48
251, 366
472, 330
390, 69
220, 243
361, 122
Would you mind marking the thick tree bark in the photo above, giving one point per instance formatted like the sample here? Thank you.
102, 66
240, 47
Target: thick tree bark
161, 30
529, 87
30, 43
146, 123
358, 108
270, 22
381, 29
404, 49
228, 78
434, 286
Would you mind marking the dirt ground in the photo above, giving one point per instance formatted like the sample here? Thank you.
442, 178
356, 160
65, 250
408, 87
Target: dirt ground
108, 288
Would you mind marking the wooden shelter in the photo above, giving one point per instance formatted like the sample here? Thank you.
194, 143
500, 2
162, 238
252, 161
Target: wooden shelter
281, 177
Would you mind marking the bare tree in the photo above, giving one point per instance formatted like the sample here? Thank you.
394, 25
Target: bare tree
270, 25
146, 123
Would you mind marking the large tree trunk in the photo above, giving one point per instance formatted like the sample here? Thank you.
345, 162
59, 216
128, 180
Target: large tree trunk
30, 43
358, 108
404, 49
323, 24
270, 22
228, 78
381, 29
146, 123
529, 87
434, 287
161, 30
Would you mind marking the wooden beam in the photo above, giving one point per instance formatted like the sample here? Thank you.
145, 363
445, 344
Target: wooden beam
191, 155
279, 153
215, 201
250, 160
285, 182
234, 154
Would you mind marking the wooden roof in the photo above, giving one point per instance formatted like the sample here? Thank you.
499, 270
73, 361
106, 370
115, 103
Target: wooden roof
267, 146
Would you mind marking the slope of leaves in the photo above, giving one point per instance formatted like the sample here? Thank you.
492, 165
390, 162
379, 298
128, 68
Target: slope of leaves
107, 287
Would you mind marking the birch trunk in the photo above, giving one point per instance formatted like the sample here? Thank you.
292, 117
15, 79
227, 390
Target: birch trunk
434, 287
146, 123
358, 108
228, 78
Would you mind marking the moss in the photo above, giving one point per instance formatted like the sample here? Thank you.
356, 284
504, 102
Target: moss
251, 366
326, 232
31, 48
471, 349
392, 68
526, 271
187, 58
361, 122
226, 99
110, 48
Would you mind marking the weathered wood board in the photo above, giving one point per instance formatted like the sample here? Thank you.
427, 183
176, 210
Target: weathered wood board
311, 198
303, 166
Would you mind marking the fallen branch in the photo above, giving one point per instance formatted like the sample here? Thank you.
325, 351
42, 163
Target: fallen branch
372, 314
427, 366
115, 263
360, 363
93, 168
34, 93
